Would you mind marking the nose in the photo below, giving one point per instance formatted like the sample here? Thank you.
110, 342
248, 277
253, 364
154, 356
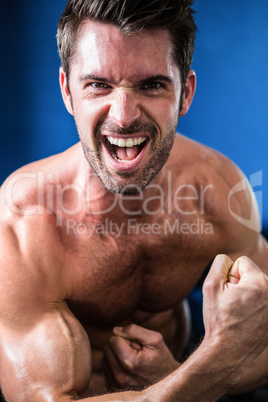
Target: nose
124, 109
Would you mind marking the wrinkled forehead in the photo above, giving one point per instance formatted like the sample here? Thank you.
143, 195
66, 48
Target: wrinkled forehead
103, 46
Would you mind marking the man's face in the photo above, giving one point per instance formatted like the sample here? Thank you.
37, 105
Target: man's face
124, 95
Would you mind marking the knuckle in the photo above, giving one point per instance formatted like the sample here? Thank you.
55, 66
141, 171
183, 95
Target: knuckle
221, 258
130, 366
135, 366
130, 328
114, 342
244, 260
158, 338
208, 286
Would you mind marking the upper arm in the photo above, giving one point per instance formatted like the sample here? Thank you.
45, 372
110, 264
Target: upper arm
44, 350
235, 215
47, 362
244, 235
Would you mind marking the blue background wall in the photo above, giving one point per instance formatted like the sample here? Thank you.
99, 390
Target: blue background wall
229, 112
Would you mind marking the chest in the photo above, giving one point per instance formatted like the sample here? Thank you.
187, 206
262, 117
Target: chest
110, 278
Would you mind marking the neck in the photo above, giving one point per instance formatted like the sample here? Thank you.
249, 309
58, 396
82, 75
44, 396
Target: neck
102, 203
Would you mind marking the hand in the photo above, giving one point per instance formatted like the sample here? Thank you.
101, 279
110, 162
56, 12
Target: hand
236, 310
136, 357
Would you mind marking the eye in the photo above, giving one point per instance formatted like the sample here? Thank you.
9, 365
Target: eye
98, 85
97, 88
152, 86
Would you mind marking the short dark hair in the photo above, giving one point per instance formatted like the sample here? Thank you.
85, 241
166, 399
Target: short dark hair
132, 16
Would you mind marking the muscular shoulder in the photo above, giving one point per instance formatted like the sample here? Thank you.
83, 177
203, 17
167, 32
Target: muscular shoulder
34, 185
32, 256
31, 260
223, 193
200, 162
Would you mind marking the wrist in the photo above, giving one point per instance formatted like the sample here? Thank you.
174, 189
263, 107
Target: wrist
206, 375
221, 360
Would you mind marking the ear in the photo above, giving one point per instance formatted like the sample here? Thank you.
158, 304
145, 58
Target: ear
66, 96
189, 91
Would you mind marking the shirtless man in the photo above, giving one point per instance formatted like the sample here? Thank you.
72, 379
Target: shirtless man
119, 230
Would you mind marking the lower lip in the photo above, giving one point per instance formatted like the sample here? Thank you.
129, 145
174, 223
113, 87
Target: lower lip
129, 165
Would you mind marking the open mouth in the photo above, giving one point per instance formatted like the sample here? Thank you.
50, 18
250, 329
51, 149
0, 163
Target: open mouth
125, 150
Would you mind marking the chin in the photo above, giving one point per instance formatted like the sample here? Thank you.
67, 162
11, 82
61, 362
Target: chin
124, 187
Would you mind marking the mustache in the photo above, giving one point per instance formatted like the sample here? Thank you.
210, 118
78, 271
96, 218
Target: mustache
138, 126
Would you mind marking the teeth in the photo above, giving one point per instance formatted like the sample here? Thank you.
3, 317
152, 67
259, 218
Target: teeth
121, 143
129, 142
141, 140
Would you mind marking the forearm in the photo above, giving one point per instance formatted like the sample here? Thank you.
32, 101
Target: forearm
205, 376
118, 397
255, 376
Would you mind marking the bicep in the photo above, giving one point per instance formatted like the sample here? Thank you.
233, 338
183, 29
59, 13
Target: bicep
255, 247
47, 362
242, 228
44, 350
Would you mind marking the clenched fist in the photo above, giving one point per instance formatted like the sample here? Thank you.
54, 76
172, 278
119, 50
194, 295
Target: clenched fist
136, 357
235, 311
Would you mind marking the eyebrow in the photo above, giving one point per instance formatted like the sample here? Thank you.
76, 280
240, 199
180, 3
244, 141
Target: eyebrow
153, 78
92, 77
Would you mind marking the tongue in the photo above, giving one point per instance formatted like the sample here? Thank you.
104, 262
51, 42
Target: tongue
126, 154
